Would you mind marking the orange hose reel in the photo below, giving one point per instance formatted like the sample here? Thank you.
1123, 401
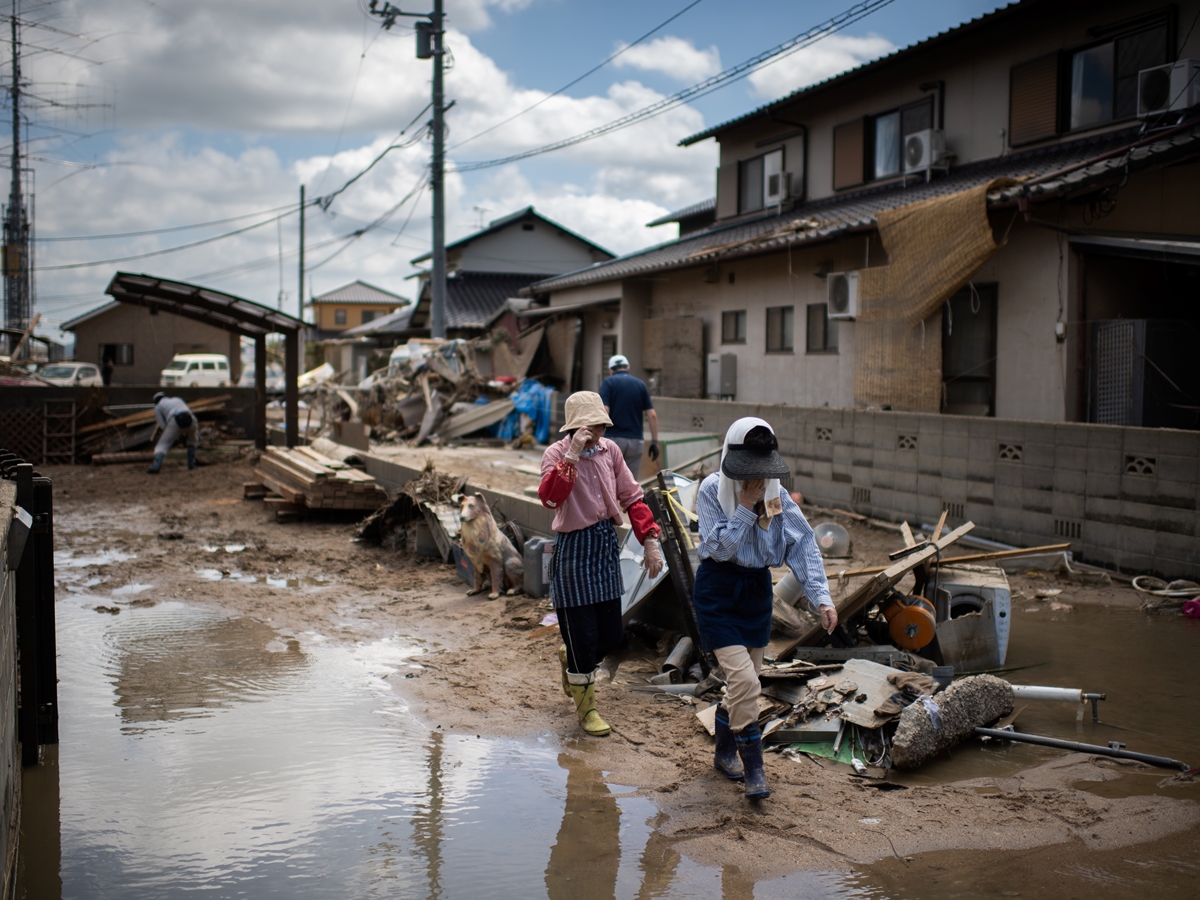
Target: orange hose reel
912, 622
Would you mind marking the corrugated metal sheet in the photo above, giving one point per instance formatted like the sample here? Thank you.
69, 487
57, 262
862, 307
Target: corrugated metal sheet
833, 216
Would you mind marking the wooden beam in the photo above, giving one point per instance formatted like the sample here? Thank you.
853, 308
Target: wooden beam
970, 558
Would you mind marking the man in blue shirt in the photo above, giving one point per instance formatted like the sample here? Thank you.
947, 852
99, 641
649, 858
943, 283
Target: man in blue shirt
174, 420
625, 399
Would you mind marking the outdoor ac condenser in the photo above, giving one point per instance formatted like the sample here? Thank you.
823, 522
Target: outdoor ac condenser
923, 149
722, 376
1170, 88
841, 293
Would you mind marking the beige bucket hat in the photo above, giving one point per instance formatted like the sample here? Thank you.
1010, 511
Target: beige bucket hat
584, 408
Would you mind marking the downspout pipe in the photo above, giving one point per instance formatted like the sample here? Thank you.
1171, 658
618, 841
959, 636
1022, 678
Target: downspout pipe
1114, 749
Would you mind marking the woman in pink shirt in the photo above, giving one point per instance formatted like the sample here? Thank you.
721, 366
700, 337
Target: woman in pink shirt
585, 479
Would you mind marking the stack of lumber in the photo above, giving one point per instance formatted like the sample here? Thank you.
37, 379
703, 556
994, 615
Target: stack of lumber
304, 477
128, 432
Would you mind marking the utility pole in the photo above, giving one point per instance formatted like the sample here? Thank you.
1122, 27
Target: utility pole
300, 294
430, 46
18, 304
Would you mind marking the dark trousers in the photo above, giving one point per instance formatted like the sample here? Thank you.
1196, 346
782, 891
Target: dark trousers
591, 633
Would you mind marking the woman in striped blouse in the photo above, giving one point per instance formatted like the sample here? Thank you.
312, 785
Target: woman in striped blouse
585, 479
747, 526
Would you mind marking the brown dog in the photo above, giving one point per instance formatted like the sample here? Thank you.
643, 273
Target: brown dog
488, 549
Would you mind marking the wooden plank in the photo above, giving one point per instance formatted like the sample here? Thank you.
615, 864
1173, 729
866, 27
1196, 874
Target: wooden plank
907, 534
970, 558
858, 600
937, 532
147, 415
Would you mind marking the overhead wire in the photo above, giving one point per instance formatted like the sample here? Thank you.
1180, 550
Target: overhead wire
571, 84
742, 70
291, 207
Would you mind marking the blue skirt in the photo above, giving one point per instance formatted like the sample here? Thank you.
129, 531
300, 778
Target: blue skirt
733, 605
586, 566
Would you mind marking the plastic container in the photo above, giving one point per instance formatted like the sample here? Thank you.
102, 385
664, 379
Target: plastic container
537, 553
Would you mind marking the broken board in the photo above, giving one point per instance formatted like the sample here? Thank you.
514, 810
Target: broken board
872, 681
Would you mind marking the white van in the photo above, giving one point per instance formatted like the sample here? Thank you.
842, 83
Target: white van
196, 370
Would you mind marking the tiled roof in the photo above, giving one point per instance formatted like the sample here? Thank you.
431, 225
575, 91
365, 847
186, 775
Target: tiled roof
393, 323
696, 209
970, 25
473, 297
360, 292
1050, 172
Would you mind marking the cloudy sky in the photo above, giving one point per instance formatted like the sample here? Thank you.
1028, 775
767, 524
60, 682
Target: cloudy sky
173, 113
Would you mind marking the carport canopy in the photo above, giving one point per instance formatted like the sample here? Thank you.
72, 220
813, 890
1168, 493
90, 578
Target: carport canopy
231, 313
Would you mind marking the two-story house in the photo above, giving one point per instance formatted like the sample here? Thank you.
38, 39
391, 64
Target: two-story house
1000, 220
350, 306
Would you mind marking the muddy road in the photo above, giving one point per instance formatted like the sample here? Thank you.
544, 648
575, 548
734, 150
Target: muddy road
137, 556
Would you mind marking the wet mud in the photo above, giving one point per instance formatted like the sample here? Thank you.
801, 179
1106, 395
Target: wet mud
328, 719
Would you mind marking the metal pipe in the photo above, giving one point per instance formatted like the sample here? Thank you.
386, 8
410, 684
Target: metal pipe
681, 657
1114, 749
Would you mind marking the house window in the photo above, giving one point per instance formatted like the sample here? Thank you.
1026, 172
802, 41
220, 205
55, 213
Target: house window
368, 315
760, 181
733, 327
890, 130
608, 347
120, 354
1102, 79
779, 329
821, 334
1033, 101
339, 317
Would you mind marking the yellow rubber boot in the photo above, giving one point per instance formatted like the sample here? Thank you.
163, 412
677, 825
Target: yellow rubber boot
562, 661
584, 696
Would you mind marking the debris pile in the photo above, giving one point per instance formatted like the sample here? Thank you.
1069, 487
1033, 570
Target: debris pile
112, 440
438, 391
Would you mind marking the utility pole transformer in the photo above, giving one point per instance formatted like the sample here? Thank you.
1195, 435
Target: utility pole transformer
18, 299
430, 46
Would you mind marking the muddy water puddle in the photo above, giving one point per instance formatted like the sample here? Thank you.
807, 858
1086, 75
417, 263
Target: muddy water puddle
205, 753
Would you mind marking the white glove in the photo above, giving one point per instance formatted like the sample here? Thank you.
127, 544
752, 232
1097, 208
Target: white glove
578, 441
652, 555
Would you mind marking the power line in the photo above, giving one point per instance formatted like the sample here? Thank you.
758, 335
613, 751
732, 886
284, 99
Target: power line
716, 82
571, 84
291, 207
208, 240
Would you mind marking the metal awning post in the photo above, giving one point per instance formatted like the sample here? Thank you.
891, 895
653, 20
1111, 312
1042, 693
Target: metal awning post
291, 373
260, 392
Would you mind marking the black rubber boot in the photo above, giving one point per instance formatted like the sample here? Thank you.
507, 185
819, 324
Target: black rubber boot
725, 759
749, 746
156, 465
191, 457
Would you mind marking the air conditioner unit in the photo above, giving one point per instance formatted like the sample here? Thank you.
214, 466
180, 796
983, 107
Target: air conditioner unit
924, 149
841, 293
1169, 88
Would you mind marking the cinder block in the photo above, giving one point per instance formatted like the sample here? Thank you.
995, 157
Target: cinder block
863, 436
1037, 501
1009, 474
907, 423
1066, 457
1137, 540
1175, 468
1168, 441
929, 444
1103, 485
1105, 461
983, 429
955, 446
1067, 506
1069, 482
981, 448
981, 514
907, 505
1102, 509
1071, 434
822, 470
930, 424
863, 476
885, 438
905, 481
930, 486
1010, 519
959, 426
842, 455
883, 478
1007, 497
1010, 432
1038, 478
1040, 433
954, 467
1037, 454
1180, 547
1159, 518
1176, 494
1105, 437
885, 457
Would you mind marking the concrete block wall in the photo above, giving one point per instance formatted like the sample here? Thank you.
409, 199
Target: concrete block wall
1124, 497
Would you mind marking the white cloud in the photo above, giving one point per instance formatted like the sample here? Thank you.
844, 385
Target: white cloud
822, 60
224, 108
674, 57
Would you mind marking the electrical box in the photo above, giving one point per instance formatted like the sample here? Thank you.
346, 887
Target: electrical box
537, 555
721, 378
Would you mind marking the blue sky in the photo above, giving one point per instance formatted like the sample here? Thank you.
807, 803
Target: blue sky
223, 108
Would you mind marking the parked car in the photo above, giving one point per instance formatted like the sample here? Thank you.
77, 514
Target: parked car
196, 370
274, 378
74, 374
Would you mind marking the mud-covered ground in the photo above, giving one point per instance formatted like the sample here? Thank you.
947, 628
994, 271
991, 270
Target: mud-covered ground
489, 669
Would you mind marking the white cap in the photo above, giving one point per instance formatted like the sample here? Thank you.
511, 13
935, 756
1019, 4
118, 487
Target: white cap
617, 361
